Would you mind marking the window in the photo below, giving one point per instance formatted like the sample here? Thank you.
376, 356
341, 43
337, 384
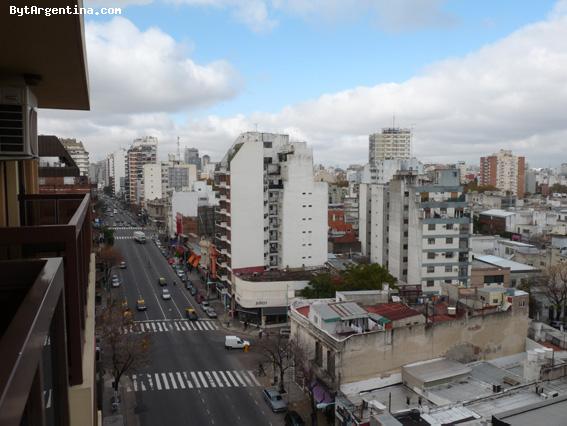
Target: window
431, 227
431, 241
448, 268
406, 234
493, 279
449, 255
430, 283
405, 246
430, 269
405, 259
405, 272
267, 144
449, 240
406, 221
406, 194
431, 255
449, 226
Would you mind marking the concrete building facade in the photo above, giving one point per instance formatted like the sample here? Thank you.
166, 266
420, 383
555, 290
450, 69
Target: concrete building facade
143, 151
390, 143
78, 153
504, 171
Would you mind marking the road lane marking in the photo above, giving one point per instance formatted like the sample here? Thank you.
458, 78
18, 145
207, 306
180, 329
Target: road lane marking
142, 386
198, 325
219, 381
173, 382
205, 384
210, 379
150, 382
165, 383
195, 379
239, 378
232, 378
251, 373
225, 379
248, 381
189, 384
135, 383
158, 383
159, 326
181, 381
181, 326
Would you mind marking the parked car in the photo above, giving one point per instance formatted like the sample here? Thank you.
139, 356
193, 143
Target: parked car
188, 285
165, 294
193, 291
205, 304
235, 342
161, 281
141, 305
558, 325
292, 418
274, 400
191, 314
123, 265
211, 313
115, 281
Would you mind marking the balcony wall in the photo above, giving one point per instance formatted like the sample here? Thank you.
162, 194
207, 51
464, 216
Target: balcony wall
57, 225
32, 343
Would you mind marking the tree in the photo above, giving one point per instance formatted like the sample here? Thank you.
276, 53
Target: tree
108, 235
123, 352
321, 286
107, 190
558, 188
553, 285
108, 257
367, 277
280, 352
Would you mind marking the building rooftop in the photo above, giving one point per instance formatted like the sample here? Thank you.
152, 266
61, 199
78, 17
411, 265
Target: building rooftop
280, 275
435, 370
505, 263
497, 213
393, 311
339, 311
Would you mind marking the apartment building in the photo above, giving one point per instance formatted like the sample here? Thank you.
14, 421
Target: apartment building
47, 268
191, 156
181, 176
116, 170
143, 151
152, 177
78, 153
418, 229
272, 213
390, 143
504, 171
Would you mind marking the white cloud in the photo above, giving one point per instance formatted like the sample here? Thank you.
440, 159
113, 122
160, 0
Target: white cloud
510, 94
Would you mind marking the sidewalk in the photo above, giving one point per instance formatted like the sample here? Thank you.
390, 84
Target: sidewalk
125, 415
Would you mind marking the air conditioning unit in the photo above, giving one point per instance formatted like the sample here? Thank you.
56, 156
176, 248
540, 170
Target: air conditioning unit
18, 123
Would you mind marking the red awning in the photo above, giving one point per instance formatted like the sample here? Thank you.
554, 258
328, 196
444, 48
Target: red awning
196, 261
191, 258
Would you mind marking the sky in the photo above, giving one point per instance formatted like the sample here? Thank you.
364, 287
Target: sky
467, 77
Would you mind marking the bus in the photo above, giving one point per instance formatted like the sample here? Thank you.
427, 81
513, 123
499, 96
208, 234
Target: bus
140, 237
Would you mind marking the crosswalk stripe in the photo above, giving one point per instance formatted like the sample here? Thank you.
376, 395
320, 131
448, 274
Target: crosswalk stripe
153, 326
232, 378
158, 384
239, 378
142, 386
165, 383
247, 379
191, 326
189, 384
198, 324
194, 376
219, 381
159, 326
205, 384
182, 325
134, 383
177, 326
225, 379
181, 383
168, 324
150, 382
251, 373
173, 382
210, 379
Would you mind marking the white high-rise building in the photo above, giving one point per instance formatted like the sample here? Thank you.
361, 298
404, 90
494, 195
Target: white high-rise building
390, 143
78, 153
272, 214
143, 151
419, 230
152, 182
116, 166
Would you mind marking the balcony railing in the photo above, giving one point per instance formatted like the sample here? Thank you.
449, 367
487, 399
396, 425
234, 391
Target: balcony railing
58, 225
33, 335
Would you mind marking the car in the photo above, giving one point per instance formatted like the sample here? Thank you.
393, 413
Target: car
558, 325
141, 305
165, 294
205, 305
274, 399
235, 342
115, 281
193, 291
191, 314
161, 281
292, 418
211, 313
188, 285
122, 265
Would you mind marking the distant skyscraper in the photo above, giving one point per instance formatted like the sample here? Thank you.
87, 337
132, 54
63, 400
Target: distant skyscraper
205, 160
143, 151
192, 157
390, 144
78, 153
504, 171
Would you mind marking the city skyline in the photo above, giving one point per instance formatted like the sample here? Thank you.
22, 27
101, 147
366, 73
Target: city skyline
461, 99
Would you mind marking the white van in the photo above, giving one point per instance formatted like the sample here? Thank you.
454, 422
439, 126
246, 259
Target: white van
235, 342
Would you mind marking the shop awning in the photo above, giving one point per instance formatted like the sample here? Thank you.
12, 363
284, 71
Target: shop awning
275, 310
196, 261
191, 258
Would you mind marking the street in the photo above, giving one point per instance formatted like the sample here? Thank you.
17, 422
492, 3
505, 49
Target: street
191, 378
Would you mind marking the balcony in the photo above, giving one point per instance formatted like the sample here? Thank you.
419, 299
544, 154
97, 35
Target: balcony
33, 312
58, 225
